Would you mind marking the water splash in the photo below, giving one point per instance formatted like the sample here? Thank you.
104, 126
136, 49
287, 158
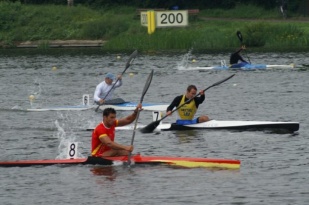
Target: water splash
184, 63
35, 90
66, 138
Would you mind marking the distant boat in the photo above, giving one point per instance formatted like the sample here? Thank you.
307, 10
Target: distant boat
241, 66
117, 104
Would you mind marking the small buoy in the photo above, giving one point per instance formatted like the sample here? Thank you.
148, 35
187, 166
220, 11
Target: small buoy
193, 61
31, 97
131, 74
54, 68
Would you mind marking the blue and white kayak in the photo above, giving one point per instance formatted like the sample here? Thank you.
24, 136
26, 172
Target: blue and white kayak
247, 67
117, 104
122, 106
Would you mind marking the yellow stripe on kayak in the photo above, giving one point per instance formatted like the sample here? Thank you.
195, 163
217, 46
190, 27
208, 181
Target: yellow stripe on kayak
190, 164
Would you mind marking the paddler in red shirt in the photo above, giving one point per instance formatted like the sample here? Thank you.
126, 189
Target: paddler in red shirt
103, 144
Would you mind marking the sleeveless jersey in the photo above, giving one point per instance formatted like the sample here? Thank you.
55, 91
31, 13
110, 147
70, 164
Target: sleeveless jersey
97, 147
187, 111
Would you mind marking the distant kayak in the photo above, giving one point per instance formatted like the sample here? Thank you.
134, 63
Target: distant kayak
241, 67
117, 104
121, 106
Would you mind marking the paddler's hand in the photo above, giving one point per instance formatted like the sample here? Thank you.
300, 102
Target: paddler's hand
139, 107
168, 112
119, 77
202, 92
101, 101
129, 148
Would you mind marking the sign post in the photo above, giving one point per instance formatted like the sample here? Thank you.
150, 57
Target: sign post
161, 19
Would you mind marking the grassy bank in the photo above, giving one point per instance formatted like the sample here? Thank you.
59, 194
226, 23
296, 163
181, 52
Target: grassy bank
122, 30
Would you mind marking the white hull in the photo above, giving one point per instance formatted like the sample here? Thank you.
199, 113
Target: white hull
229, 125
217, 124
124, 106
62, 108
132, 106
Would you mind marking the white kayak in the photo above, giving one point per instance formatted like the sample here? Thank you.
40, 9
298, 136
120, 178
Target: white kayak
272, 126
116, 104
246, 67
235, 125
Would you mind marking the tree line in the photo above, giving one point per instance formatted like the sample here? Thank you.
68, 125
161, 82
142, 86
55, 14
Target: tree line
292, 5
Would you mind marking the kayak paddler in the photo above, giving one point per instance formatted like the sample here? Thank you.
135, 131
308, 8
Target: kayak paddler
186, 113
103, 136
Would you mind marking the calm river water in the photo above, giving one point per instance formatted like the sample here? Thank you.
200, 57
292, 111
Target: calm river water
274, 167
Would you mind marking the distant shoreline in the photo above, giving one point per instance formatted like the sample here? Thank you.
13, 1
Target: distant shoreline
59, 43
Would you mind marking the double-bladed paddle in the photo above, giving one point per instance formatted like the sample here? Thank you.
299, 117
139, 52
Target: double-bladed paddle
146, 86
152, 126
239, 35
128, 64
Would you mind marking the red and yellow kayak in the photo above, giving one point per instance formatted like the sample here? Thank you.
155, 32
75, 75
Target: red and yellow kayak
186, 162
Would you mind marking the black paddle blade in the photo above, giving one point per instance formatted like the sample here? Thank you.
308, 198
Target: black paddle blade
151, 127
147, 84
131, 58
238, 33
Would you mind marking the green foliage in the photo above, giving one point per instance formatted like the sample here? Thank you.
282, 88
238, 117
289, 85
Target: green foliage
260, 34
242, 11
107, 27
9, 13
20, 22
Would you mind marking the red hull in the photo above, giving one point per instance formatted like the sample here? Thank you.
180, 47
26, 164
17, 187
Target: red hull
136, 159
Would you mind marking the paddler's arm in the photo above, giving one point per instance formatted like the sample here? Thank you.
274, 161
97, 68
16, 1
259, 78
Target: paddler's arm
119, 83
96, 94
199, 100
114, 145
240, 58
129, 119
174, 104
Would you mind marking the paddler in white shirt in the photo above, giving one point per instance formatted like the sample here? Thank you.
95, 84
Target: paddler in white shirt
104, 91
186, 113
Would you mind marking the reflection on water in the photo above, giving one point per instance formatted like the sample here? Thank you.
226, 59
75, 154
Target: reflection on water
109, 171
186, 136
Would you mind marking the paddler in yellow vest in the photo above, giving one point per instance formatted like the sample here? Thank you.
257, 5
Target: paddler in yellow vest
186, 112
